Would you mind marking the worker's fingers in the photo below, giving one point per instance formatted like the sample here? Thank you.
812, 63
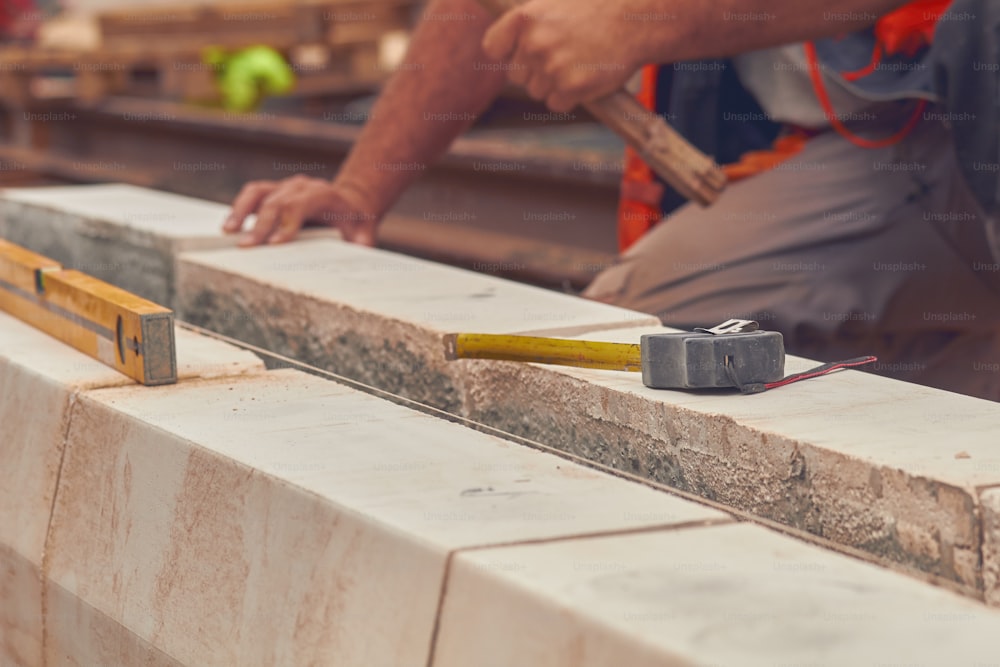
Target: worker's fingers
570, 92
540, 85
357, 226
519, 71
528, 58
526, 63
287, 206
560, 102
269, 217
350, 211
500, 40
291, 218
246, 202
362, 234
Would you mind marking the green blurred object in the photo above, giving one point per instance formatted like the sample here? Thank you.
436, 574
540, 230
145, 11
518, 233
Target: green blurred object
246, 76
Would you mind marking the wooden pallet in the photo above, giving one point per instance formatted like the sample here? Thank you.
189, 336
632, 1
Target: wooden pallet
234, 25
165, 45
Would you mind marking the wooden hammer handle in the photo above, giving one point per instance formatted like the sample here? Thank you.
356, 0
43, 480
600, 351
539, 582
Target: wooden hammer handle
685, 168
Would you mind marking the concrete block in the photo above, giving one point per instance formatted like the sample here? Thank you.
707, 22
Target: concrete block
34, 413
202, 357
877, 464
990, 499
40, 379
77, 634
724, 595
122, 234
853, 458
283, 519
368, 314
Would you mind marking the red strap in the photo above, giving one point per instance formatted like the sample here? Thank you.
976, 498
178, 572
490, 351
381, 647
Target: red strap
906, 30
825, 369
867, 69
816, 75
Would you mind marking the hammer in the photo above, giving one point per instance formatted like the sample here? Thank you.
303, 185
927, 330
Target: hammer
686, 169
732, 354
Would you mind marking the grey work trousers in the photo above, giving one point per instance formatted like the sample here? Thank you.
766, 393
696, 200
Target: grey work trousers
846, 251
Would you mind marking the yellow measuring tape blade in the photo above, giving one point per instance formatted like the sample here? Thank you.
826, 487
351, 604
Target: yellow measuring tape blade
132, 335
579, 353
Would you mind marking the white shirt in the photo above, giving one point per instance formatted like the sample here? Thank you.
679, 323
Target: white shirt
778, 78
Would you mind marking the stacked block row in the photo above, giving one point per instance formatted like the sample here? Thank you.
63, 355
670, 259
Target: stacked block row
254, 517
907, 474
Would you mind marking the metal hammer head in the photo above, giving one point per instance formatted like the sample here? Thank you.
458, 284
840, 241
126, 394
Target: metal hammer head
705, 360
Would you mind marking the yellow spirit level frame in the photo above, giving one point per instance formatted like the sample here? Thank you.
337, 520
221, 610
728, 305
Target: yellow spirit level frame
132, 335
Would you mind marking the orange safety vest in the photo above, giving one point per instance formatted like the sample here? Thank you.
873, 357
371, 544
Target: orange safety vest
905, 30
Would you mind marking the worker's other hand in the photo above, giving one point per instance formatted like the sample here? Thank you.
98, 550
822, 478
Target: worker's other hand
565, 52
284, 207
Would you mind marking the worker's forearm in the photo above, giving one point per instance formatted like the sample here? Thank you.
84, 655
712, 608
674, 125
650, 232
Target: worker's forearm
443, 84
721, 28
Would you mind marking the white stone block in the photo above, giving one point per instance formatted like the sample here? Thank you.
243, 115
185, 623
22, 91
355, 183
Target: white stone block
122, 234
283, 519
40, 379
127, 209
724, 595
424, 294
78, 633
33, 417
862, 460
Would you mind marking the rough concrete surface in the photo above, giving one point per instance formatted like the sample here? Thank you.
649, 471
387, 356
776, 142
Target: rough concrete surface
858, 459
990, 499
370, 315
723, 595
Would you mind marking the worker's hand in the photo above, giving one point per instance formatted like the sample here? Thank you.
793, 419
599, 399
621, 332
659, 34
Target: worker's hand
284, 207
568, 51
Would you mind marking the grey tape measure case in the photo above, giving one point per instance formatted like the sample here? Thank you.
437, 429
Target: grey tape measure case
699, 360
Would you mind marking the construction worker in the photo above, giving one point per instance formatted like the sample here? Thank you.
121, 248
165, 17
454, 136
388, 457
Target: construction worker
861, 136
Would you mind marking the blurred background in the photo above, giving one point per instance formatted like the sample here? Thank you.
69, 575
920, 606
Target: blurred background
200, 96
